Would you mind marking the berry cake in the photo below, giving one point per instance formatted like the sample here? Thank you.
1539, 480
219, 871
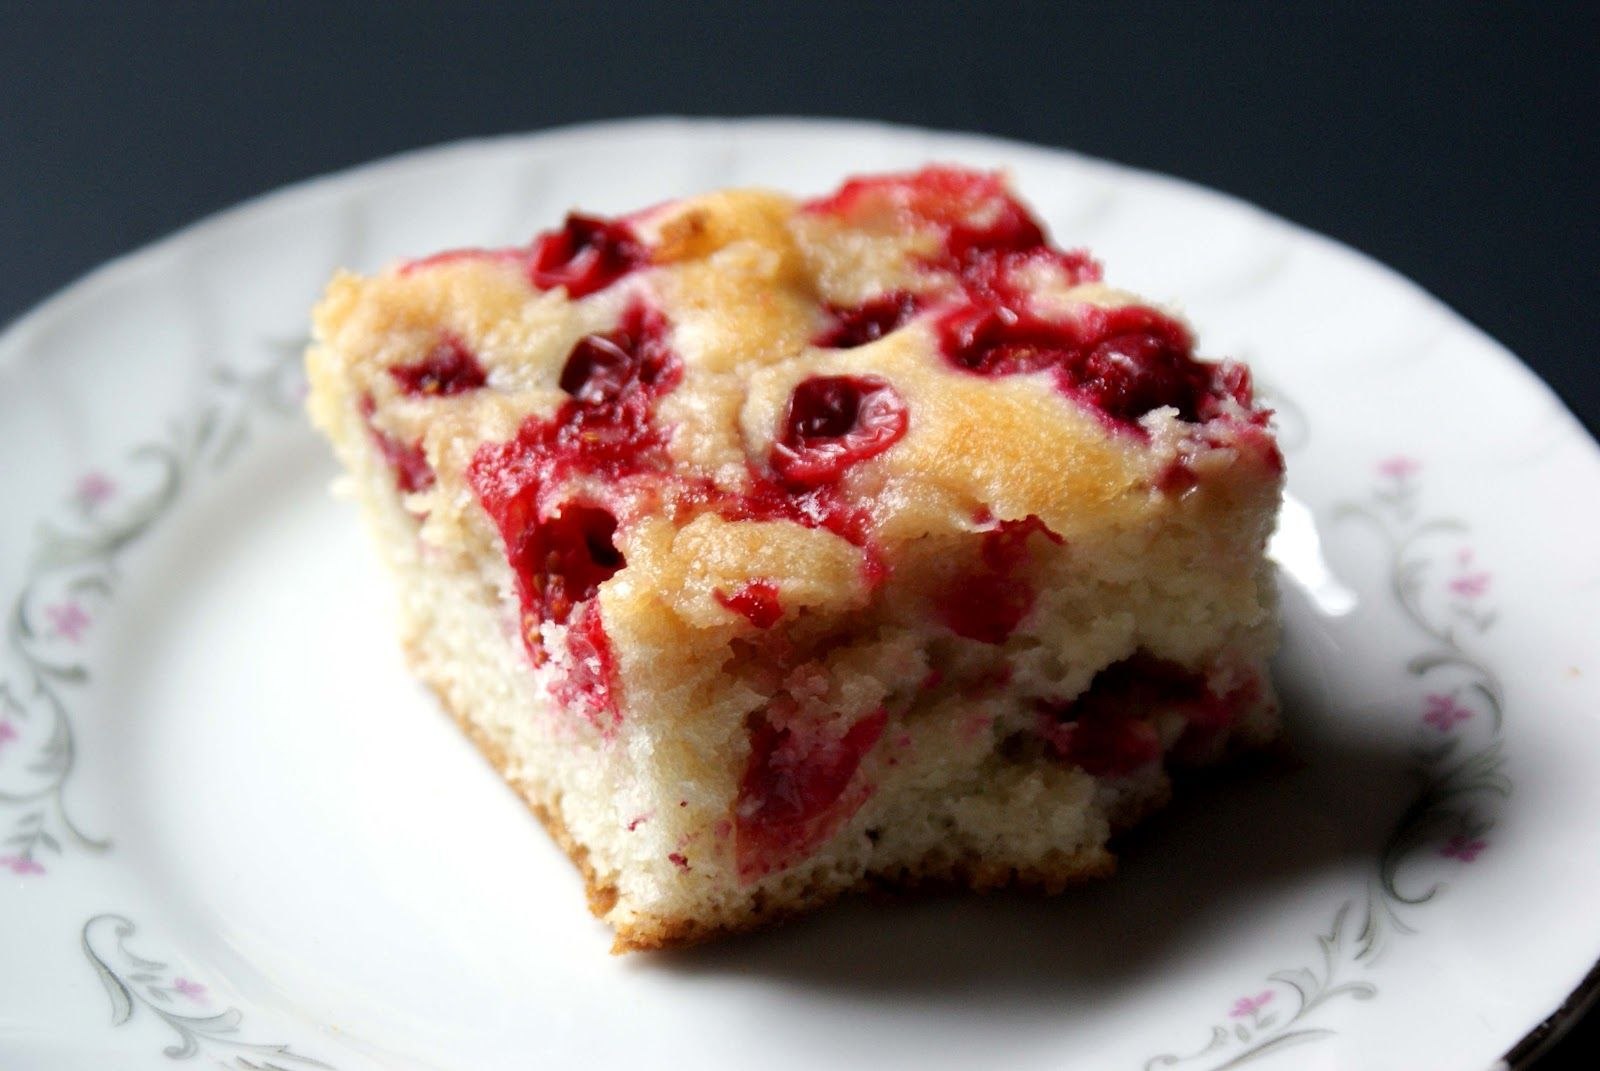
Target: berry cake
773, 549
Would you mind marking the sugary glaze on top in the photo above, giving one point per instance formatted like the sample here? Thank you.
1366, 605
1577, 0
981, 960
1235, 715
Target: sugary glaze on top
723, 412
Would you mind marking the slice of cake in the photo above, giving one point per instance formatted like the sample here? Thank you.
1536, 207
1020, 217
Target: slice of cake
773, 549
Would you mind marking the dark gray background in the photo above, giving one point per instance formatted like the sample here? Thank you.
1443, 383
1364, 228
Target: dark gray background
1454, 142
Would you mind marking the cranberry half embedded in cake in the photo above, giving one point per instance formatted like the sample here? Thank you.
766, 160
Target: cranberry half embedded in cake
772, 548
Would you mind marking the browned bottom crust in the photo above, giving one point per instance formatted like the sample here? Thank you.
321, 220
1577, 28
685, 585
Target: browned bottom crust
968, 872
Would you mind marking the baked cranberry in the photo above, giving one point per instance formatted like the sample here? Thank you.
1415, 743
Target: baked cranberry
597, 369
999, 341
602, 368
1106, 747
448, 368
989, 603
987, 608
793, 795
588, 680
1140, 360
1247, 434
868, 322
412, 473
756, 601
1125, 361
569, 555
1102, 731
1233, 381
1106, 730
561, 551
833, 422
587, 254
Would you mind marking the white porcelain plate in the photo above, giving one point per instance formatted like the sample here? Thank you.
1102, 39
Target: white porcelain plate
232, 829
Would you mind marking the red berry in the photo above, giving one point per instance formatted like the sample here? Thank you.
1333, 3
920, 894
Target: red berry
449, 368
561, 551
1107, 731
1125, 361
412, 473
793, 795
568, 555
833, 422
989, 603
1140, 360
587, 254
867, 322
602, 368
588, 680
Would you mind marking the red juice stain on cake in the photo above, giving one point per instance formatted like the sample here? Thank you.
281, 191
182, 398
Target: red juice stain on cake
794, 794
1105, 730
755, 600
679, 860
1006, 277
449, 368
984, 231
412, 473
868, 322
1245, 429
989, 603
587, 254
834, 422
804, 497
987, 684
561, 551
823, 507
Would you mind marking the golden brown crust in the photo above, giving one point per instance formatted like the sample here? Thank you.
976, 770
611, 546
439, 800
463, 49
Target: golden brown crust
971, 874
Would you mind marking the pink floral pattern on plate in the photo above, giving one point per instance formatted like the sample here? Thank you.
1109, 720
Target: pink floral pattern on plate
1462, 847
76, 571
93, 490
135, 981
1443, 712
1461, 775
1250, 1006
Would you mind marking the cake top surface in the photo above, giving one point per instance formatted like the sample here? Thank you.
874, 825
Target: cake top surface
744, 394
